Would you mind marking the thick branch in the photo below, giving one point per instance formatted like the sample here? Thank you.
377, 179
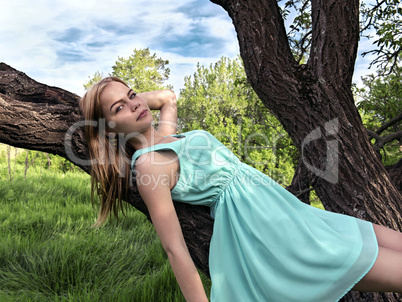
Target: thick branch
273, 65
301, 183
36, 116
335, 40
390, 123
382, 140
395, 174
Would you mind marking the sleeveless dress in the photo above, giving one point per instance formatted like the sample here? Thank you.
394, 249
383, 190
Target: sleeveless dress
266, 244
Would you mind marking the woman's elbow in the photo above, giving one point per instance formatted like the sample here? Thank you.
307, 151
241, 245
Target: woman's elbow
175, 250
170, 97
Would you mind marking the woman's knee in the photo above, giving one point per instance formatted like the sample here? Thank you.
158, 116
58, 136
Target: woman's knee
388, 238
385, 275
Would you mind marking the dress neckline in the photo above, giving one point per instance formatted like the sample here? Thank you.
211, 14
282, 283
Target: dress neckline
161, 144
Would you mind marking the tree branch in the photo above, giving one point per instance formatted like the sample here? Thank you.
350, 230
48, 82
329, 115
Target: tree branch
381, 141
335, 40
273, 64
370, 21
390, 123
301, 183
395, 174
38, 117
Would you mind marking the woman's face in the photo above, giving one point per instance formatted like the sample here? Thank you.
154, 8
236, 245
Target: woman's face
124, 111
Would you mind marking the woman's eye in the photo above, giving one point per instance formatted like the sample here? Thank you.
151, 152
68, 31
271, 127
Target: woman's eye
133, 95
118, 108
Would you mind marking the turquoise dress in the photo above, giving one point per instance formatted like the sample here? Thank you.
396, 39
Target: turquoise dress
266, 244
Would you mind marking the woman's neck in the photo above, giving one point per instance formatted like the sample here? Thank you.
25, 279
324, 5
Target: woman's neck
146, 139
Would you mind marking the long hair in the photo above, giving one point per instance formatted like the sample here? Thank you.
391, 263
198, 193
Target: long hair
110, 168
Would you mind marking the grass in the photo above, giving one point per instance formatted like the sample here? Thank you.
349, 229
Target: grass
49, 252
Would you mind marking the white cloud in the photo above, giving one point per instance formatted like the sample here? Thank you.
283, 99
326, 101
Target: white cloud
61, 43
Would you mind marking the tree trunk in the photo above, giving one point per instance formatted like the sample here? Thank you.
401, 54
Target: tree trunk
314, 103
395, 174
38, 117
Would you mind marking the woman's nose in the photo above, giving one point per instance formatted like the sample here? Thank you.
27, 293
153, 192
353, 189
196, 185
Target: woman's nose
134, 107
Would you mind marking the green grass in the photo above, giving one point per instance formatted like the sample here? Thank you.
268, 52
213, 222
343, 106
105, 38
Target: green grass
49, 252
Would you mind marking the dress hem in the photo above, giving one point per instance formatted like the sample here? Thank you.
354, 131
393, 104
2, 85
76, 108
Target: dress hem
369, 245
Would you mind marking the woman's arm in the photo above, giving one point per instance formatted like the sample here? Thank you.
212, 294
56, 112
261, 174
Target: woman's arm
157, 197
165, 101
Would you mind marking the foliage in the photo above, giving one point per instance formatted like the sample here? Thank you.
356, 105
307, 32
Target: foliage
33, 159
380, 101
51, 162
299, 34
219, 99
49, 252
92, 80
385, 18
380, 98
141, 71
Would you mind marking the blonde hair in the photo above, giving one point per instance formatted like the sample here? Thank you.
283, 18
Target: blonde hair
110, 169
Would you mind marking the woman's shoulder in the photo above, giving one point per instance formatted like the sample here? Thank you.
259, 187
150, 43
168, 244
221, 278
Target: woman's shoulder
154, 162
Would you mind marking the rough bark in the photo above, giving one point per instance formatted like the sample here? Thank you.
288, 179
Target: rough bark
310, 100
302, 183
315, 105
395, 174
38, 117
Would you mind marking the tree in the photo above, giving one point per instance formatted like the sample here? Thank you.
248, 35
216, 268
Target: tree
97, 76
381, 19
313, 102
141, 70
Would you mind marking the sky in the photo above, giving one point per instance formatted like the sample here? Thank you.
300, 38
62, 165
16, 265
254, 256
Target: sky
63, 43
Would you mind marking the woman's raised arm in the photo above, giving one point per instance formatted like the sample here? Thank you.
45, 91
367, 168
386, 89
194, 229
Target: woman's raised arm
165, 101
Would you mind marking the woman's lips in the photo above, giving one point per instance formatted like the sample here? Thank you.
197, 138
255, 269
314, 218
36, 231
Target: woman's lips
142, 114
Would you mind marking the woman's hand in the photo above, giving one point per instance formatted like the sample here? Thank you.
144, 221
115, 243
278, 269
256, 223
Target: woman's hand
165, 101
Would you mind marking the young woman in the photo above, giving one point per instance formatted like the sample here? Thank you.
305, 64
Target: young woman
266, 244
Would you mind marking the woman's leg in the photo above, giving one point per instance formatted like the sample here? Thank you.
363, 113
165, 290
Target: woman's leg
386, 273
388, 238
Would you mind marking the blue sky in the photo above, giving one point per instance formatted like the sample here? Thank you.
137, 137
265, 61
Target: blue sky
62, 43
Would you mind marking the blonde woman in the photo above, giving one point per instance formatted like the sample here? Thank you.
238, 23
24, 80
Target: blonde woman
266, 244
